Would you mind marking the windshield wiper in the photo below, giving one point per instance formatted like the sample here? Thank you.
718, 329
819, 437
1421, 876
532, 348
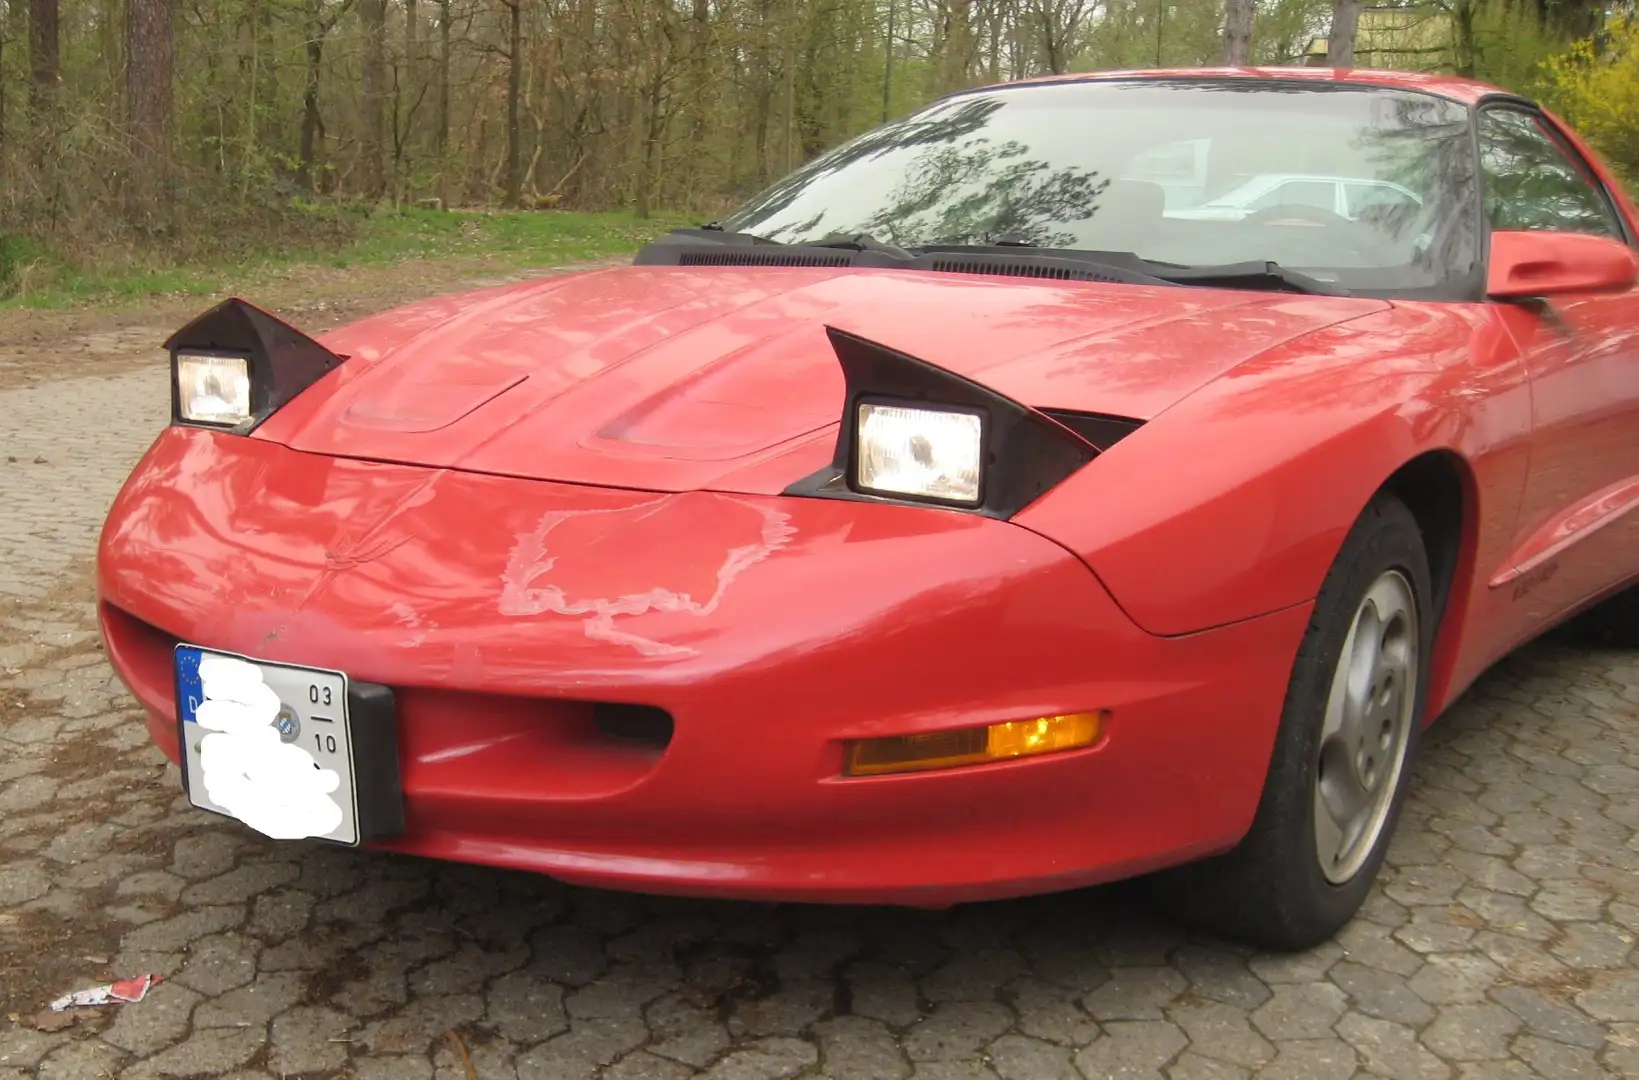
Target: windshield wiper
860, 242
1247, 274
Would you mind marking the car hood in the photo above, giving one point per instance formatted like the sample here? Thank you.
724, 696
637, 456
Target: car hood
674, 379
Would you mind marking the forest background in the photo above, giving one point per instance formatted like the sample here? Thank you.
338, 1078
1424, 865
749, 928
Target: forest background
140, 137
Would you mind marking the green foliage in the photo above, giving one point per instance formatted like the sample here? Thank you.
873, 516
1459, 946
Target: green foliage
499, 240
1597, 92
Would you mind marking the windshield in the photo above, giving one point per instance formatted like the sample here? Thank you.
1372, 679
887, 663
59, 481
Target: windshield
1368, 187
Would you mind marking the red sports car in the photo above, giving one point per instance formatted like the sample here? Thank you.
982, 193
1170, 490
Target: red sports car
969, 515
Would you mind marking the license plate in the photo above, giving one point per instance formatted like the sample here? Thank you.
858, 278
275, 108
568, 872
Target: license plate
269, 744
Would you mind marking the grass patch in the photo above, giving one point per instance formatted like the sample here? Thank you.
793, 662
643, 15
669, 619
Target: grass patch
33, 275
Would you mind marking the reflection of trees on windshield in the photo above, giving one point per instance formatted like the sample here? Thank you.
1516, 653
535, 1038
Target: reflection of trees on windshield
1023, 199
1061, 166
1422, 144
937, 126
956, 186
1530, 184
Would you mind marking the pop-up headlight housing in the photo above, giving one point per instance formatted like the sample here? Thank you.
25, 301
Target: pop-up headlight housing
235, 365
914, 432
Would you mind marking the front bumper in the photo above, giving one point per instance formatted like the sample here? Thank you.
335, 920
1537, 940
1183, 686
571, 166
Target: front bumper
503, 611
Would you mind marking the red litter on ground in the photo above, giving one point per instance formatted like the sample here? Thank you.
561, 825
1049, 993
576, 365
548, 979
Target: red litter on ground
125, 990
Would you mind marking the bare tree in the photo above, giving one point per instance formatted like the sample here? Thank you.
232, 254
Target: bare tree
514, 91
149, 41
1340, 41
1238, 17
373, 140
43, 59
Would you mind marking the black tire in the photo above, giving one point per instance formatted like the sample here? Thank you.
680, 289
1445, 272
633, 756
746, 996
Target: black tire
1270, 891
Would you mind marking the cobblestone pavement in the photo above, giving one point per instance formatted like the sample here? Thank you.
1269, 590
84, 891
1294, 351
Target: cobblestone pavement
1499, 944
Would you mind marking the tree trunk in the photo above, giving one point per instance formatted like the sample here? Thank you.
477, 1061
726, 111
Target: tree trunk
441, 135
312, 123
514, 89
1463, 15
373, 144
409, 84
42, 60
1238, 16
149, 41
1340, 41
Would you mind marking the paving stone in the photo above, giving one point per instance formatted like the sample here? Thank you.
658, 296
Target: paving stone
219, 963
310, 1039
580, 1052
787, 1011
1050, 1012
1546, 1017
211, 1052
683, 1030
1192, 1066
1135, 993
1390, 1049
1312, 1059
856, 1048
1556, 1061
957, 1030
643, 1065
1300, 1012
525, 1007
1223, 1033
1471, 1033
883, 993
82, 1058
161, 1021
1132, 1049
766, 1059
1382, 994
1221, 976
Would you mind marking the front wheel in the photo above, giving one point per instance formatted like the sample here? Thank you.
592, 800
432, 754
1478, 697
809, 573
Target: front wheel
1342, 754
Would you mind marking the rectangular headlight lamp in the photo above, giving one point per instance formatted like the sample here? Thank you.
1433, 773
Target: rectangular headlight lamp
972, 746
906, 450
213, 389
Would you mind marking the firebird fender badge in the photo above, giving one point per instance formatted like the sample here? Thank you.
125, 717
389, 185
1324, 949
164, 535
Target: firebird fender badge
1537, 575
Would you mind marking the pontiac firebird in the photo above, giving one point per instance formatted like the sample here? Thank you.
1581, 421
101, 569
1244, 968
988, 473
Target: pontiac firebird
959, 519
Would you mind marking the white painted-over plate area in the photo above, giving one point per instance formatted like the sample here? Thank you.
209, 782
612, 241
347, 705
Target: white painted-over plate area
267, 744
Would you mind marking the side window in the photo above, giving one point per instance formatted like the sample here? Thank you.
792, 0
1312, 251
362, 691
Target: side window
1530, 183
1299, 193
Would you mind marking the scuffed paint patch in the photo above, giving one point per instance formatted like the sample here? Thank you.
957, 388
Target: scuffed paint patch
526, 590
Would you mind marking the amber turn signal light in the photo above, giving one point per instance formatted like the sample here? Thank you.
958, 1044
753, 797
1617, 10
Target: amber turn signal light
972, 746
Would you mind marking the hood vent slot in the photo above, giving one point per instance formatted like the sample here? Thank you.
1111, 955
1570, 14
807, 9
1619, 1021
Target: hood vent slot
1055, 271
762, 258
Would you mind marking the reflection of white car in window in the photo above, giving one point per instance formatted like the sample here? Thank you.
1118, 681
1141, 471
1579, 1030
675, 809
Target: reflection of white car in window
1340, 195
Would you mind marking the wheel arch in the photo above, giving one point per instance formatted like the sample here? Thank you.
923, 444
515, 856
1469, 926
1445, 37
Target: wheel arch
1440, 490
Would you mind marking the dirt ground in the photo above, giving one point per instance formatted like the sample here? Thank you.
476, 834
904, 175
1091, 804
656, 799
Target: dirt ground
55, 343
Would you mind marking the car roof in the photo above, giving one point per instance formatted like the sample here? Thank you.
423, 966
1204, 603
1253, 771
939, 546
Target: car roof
1456, 88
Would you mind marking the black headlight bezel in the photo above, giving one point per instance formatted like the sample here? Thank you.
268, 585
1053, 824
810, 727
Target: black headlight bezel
282, 361
1024, 452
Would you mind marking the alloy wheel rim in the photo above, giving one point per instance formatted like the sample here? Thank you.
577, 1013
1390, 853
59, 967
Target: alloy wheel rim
1367, 727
